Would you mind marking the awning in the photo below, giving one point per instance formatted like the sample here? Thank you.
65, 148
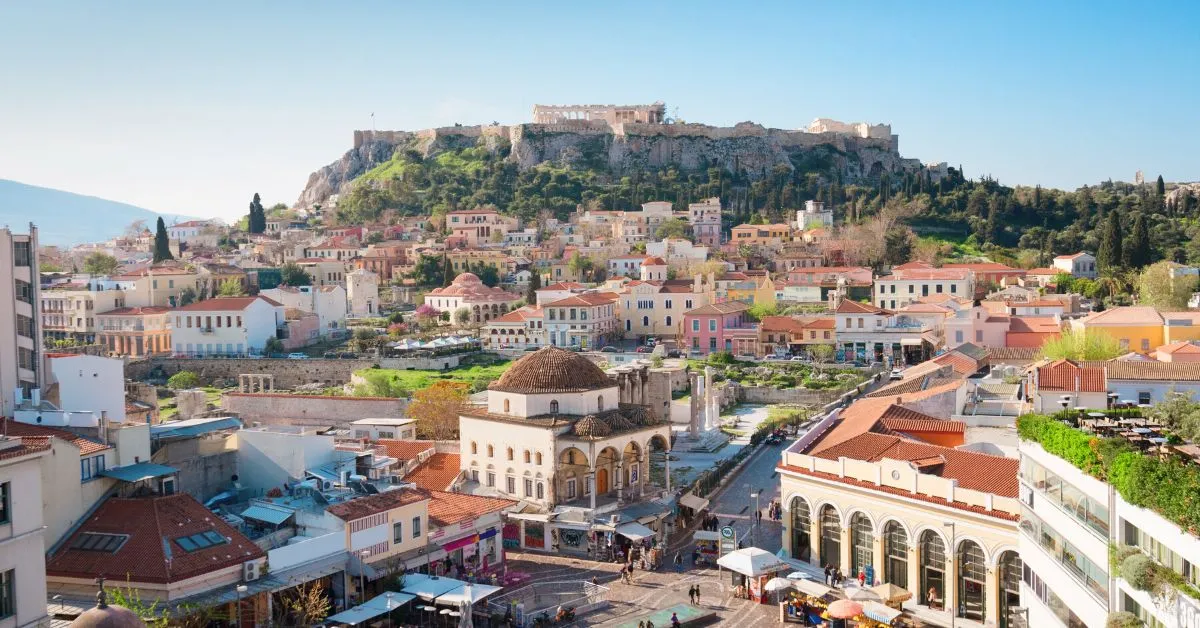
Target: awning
812, 587
429, 587
273, 515
695, 503
910, 342
706, 535
880, 612
372, 608
634, 531
138, 472
470, 593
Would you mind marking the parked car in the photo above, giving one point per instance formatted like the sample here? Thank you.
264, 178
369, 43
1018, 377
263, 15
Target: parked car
347, 355
896, 373
644, 349
674, 353
610, 349
297, 356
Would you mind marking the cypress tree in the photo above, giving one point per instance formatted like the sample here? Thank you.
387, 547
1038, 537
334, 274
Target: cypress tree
1137, 253
446, 276
535, 282
1109, 256
162, 244
258, 217
1160, 187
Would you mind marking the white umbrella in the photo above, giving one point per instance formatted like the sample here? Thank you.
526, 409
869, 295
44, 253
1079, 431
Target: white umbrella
778, 584
860, 594
752, 561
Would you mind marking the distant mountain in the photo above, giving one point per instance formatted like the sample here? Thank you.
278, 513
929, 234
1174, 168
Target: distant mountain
65, 218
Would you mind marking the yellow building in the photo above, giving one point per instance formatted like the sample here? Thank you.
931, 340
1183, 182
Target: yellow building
759, 235
1178, 326
1136, 328
747, 288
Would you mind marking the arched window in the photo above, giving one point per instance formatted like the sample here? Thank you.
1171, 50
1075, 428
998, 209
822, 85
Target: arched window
645, 321
538, 457
491, 451
895, 554
1010, 586
801, 529
510, 453
831, 537
599, 403
972, 576
541, 490
526, 456
862, 544
933, 569
507, 406
474, 447
554, 406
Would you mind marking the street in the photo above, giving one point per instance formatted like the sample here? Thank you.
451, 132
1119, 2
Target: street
735, 507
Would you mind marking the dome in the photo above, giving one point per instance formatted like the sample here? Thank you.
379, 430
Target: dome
104, 616
466, 279
551, 370
591, 427
620, 423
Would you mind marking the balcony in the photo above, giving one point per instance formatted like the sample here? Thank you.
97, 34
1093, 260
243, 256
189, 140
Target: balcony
205, 330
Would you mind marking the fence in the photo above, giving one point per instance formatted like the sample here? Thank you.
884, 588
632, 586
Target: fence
580, 595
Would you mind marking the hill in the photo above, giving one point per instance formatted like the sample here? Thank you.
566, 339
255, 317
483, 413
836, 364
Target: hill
66, 218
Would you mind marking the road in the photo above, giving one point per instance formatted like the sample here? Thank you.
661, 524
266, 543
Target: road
734, 506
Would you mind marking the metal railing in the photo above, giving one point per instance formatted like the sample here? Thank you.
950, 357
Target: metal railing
581, 595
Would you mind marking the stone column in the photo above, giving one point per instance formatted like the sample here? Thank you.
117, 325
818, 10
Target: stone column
914, 572
877, 558
695, 404
591, 486
643, 469
667, 467
814, 540
621, 479
991, 595
950, 597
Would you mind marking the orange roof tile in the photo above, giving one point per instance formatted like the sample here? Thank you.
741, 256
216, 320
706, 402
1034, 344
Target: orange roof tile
975, 471
405, 449
86, 446
854, 307
29, 445
436, 474
1065, 375
368, 505
226, 304
451, 508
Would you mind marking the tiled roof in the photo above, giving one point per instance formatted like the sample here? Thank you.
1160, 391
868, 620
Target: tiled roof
998, 355
927, 274
551, 369
405, 449
1034, 325
1071, 256
725, 307
961, 363
29, 445
1178, 347
450, 508
153, 524
368, 505
520, 315
781, 323
925, 308
562, 285
985, 267
437, 473
854, 307
586, 299
913, 265
226, 304
922, 425
86, 446
654, 261
1067, 376
472, 288
1154, 371
136, 311
1137, 315
901, 492
1043, 271
975, 471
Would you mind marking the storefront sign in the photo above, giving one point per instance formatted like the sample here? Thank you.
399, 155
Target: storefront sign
487, 534
1187, 614
466, 540
728, 540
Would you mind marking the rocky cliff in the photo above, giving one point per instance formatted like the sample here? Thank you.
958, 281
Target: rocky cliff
625, 148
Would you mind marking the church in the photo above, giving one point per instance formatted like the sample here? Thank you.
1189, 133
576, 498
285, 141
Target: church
574, 446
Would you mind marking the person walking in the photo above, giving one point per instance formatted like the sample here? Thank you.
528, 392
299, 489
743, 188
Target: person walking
678, 562
828, 576
692, 594
697, 595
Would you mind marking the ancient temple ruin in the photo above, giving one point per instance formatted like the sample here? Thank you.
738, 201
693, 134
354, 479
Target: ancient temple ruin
654, 113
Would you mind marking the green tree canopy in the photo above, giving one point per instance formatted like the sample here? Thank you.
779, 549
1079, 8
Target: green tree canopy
162, 243
98, 263
1156, 288
672, 228
292, 275
1110, 257
1081, 345
183, 380
535, 283
1137, 249
231, 288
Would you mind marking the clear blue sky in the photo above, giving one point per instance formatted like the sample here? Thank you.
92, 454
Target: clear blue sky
191, 107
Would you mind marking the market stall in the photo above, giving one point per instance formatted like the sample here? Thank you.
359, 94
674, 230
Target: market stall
708, 543
752, 568
807, 602
876, 615
892, 595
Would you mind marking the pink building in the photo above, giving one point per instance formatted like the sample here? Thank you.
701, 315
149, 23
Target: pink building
725, 326
976, 326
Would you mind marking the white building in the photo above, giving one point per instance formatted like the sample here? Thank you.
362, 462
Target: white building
705, 219
84, 383
389, 428
626, 265
226, 325
20, 325
677, 251
468, 291
362, 290
521, 329
1080, 264
587, 321
327, 302
22, 546
70, 311
903, 287
190, 230
813, 216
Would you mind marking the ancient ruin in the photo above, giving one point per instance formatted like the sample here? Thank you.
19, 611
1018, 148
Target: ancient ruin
654, 113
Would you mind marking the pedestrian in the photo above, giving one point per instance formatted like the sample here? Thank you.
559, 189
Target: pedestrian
678, 562
593, 579
862, 578
695, 556
642, 624
692, 594
828, 576
838, 577
697, 595
675, 621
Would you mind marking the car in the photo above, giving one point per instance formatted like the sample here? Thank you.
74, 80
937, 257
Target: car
645, 349
896, 374
297, 356
674, 353
609, 349
798, 358
531, 348
346, 355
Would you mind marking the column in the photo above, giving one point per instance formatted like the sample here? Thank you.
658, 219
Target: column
877, 557
621, 478
667, 465
591, 486
814, 539
844, 557
950, 599
642, 474
914, 572
991, 595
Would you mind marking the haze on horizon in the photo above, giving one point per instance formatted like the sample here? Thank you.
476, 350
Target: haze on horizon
191, 109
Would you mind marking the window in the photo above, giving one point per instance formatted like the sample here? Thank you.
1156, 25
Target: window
527, 456
8, 598
1124, 342
541, 490
667, 303
491, 479
528, 487
90, 468
668, 321
538, 458
1145, 344
203, 540
398, 532
416, 527
99, 542
474, 475
645, 321
509, 451
695, 325
474, 447
978, 335
953, 288
21, 253
554, 406
599, 405
491, 451
510, 485
712, 324
5, 506
1144, 397
687, 304
24, 291
572, 491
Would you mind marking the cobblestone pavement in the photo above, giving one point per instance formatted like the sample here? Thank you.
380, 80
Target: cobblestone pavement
651, 590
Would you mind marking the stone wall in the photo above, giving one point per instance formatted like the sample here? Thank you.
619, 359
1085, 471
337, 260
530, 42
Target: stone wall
433, 364
288, 373
796, 396
206, 466
285, 409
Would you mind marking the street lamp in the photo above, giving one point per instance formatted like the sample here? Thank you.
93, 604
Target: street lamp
754, 529
241, 588
953, 561
362, 577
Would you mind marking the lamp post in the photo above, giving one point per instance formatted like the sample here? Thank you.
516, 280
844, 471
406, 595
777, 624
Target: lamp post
362, 577
953, 561
241, 588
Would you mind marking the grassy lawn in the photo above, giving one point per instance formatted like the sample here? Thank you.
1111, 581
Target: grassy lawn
417, 379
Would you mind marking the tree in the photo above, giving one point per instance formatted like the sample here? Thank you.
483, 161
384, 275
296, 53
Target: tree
1158, 289
1160, 188
672, 228
364, 339
290, 274
462, 316
1081, 345
162, 243
379, 383
1122, 619
580, 265
304, 605
447, 274
187, 296
435, 409
427, 271
1137, 249
258, 216
273, 346
1109, 256
231, 288
98, 263
535, 282
183, 380
821, 354
488, 275
1180, 413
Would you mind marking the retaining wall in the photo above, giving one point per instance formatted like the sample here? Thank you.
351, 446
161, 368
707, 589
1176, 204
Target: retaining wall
284, 409
288, 373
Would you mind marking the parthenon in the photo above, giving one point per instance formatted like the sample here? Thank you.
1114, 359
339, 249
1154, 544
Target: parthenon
648, 114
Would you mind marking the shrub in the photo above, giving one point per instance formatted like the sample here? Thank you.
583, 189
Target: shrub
1140, 572
1122, 619
183, 380
721, 358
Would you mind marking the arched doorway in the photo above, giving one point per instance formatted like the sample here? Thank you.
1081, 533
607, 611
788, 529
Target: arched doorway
631, 466
606, 470
972, 576
933, 569
657, 450
801, 529
831, 537
895, 554
1010, 586
862, 546
601, 481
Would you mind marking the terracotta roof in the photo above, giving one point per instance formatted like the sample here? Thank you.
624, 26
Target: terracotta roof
927, 274
471, 288
551, 369
1067, 376
854, 307
1178, 347
405, 449
136, 311
997, 355
925, 308
450, 508
1154, 371
153, 525
781, 323
913, 265
586, 299
1137, 315
985, 267
520, 315
717, 309
999, 514
654, 261
1034, 324
1071, 256
368, 505
975, 471
961, 363
29, 445
437, 473
562, 285
86, 446
226, 304
922, 425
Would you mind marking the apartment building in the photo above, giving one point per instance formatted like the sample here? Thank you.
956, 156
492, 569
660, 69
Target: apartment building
705, 219
69, 311
906, 286
135, 331
479, 226
1081, 264
22, 546
866, 333
724, 326
521, 329
20, 325
655, 308
226, 325
327, 302
159, 285
587, 321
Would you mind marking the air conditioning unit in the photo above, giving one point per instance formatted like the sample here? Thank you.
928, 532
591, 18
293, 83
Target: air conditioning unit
614, 519
251, 571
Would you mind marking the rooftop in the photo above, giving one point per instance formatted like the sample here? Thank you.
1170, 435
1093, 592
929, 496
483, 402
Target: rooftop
447, 509
975, 471
550, 370
438, 473
226, 304
86, 446
368, 505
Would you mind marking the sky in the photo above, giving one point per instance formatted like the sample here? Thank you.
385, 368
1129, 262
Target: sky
192, 107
